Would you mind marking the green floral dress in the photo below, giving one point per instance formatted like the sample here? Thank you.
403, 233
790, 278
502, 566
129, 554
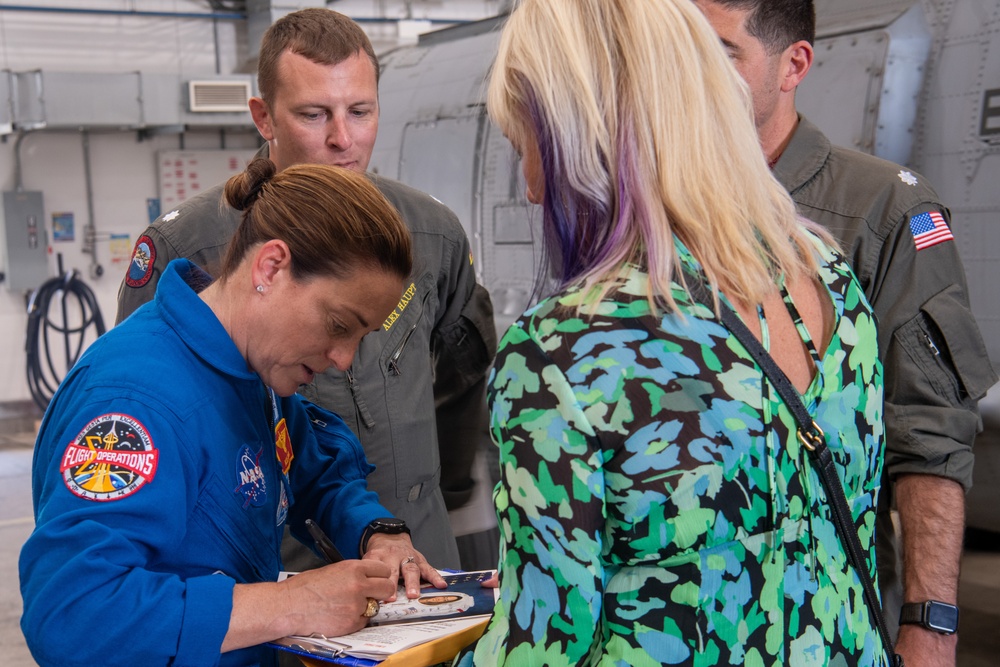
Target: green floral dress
655, 505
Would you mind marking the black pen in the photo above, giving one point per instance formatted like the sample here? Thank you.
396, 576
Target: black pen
323, 542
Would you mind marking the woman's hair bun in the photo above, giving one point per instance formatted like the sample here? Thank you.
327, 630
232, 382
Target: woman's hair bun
243, 189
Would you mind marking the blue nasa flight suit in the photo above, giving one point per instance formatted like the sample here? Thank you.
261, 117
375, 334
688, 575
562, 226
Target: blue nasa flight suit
157, 487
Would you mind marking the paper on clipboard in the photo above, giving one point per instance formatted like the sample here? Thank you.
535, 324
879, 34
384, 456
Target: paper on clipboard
442, 622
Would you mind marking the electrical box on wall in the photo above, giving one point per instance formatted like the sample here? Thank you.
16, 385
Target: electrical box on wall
27, 244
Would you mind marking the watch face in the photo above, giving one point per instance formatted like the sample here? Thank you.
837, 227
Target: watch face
942, 617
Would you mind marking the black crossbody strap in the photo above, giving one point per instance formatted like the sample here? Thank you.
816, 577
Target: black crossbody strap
813, 439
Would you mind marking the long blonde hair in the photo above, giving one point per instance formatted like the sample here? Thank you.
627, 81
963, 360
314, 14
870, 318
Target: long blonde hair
645, 130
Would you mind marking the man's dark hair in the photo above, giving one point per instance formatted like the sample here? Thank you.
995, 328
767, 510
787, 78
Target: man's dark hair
321, 35
777, 24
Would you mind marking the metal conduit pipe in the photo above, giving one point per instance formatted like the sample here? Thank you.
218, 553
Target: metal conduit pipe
230, 16
379, 19
90, 229
18, 182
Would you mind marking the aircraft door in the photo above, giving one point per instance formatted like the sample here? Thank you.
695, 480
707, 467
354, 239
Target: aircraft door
439, 157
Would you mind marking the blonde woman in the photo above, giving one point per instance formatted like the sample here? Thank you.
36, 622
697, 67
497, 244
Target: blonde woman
655, 504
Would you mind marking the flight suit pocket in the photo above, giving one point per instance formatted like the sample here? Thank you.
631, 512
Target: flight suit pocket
406, 337
220, 519
945, 343
471, 341
409, 378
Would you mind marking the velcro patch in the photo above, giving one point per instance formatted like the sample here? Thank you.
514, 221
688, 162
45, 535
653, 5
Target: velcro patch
140, 266
111, 458
283, 446
929, 229
250, 480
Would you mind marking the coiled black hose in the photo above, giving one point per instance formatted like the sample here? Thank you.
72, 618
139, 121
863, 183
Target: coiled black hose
43, 375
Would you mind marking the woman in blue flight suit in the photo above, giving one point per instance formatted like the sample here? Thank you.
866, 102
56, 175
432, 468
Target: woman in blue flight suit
176, 450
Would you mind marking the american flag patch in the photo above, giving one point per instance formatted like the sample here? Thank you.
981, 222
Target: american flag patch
929, 229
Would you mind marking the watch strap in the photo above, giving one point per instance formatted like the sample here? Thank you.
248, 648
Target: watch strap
377, 526
365, 536
911, 612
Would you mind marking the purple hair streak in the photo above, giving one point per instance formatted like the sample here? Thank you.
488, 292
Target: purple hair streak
575, 224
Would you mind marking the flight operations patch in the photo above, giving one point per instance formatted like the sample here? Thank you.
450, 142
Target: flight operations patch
111, 458
140, 266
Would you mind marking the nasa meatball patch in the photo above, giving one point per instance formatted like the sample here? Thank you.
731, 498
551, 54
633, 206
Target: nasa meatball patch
111, 458
250, 481
140, 267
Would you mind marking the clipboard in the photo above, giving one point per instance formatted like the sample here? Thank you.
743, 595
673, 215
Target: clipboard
427, 654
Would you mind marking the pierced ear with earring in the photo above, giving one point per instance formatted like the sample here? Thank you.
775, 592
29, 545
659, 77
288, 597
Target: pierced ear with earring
260, 289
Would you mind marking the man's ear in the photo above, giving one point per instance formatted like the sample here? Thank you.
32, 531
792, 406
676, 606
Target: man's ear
261, 117
796, 61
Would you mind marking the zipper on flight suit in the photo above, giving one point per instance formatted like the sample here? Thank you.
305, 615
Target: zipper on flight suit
393, 365
932, 346
359, 402
394, 359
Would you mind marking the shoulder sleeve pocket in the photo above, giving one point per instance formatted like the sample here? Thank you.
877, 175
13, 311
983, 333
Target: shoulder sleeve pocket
471, 341
950, 336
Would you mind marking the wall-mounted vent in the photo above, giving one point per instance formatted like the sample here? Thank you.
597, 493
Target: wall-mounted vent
205, 96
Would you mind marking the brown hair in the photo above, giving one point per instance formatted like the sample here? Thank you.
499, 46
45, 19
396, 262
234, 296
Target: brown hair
321, 35
777, 24
333, 220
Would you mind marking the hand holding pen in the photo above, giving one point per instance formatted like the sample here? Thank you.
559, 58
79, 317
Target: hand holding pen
329, 551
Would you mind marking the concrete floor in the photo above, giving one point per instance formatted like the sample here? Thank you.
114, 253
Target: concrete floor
15, 526
979, 643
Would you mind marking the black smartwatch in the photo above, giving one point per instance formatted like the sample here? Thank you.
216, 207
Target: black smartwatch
388, 525
933, 615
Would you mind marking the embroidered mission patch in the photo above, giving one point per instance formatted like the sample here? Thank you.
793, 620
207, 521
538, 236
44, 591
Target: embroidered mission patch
283, 446
250, 480
140, 267
111, 458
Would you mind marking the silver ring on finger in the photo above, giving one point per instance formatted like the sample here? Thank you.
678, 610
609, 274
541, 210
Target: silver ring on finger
408, 560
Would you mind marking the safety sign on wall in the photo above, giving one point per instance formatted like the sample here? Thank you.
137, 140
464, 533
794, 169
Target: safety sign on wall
184, 174
63, 227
